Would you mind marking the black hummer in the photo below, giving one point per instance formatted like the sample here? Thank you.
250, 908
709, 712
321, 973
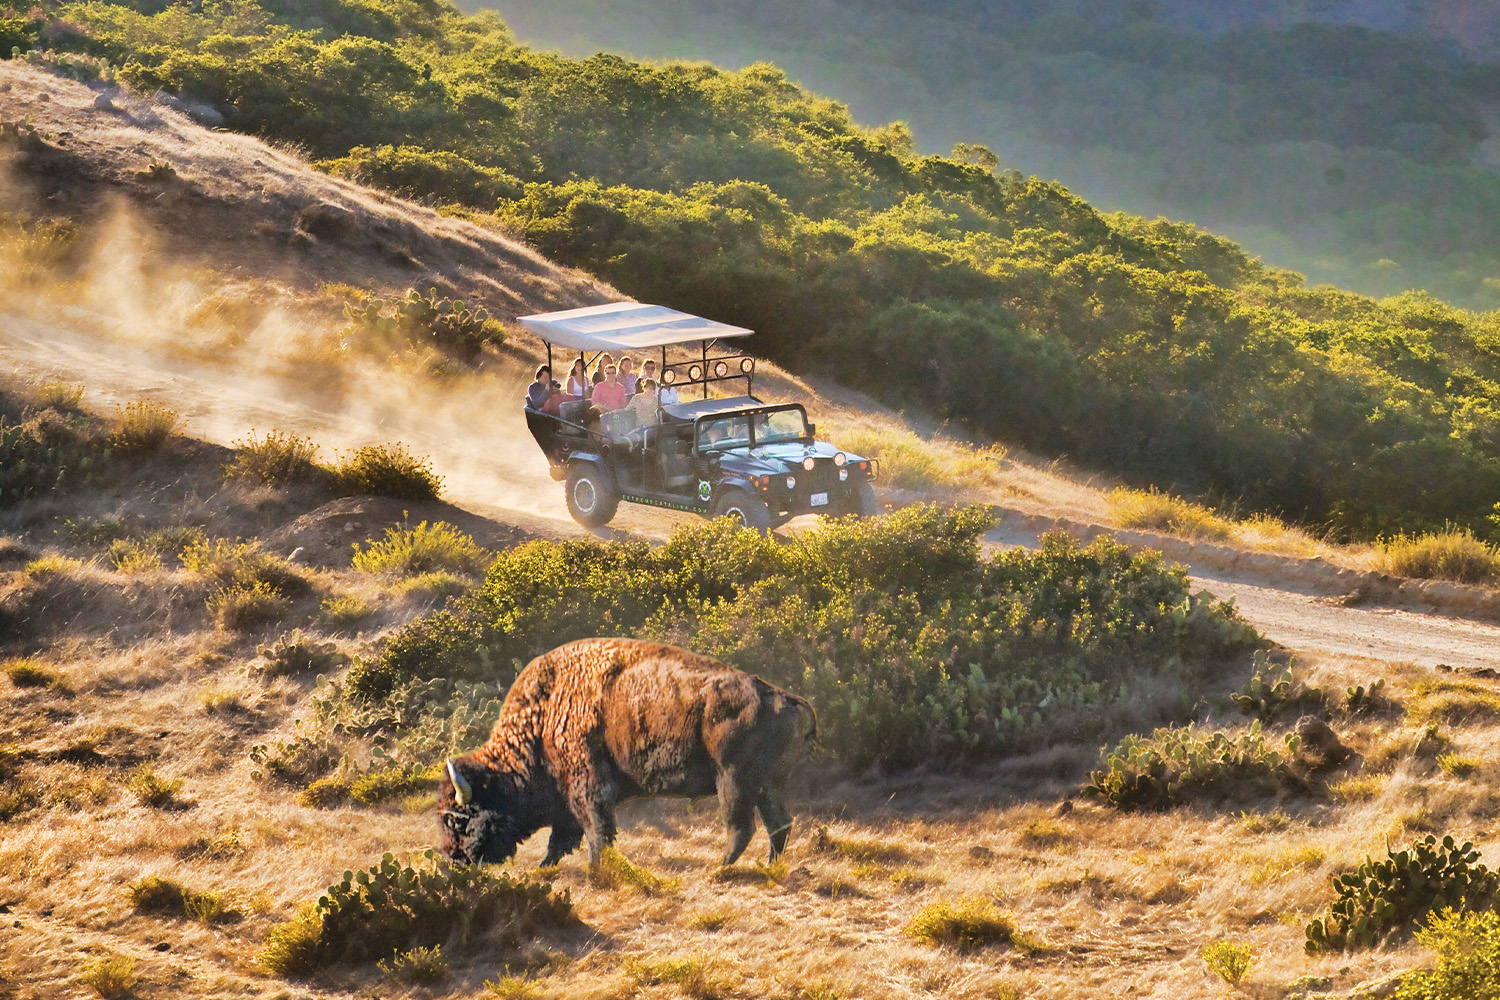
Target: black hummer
732, 457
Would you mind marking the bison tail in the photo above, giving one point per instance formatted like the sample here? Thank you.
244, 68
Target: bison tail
809, 719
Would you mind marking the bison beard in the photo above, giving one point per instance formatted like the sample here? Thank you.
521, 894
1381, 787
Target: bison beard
598, 721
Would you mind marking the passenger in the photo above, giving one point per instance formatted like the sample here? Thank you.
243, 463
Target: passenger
579, 386
628, 377
665, 393
644, 405
605, 361
543, 395
610, 394
648, 370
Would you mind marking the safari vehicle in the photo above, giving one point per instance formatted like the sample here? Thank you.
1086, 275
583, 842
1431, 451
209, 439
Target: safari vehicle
734, 456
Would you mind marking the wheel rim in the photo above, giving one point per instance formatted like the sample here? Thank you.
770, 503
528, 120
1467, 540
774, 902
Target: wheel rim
736, 513
584, 496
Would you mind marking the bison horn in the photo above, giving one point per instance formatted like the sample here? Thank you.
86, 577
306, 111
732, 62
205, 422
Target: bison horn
462, 793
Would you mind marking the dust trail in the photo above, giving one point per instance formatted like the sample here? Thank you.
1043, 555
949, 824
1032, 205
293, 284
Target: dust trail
232, 357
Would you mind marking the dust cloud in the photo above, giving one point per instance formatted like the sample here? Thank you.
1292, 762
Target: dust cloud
235, 355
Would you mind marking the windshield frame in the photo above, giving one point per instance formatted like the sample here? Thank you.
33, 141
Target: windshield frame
749, 442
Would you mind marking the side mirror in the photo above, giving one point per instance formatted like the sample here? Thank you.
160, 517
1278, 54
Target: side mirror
812, 430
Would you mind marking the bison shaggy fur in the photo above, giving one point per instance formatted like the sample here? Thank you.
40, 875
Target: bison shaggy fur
598, 721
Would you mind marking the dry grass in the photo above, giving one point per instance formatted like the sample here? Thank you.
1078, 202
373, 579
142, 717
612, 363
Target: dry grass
1454, 554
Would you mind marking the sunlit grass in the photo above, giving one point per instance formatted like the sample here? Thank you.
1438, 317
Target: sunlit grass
1454, 555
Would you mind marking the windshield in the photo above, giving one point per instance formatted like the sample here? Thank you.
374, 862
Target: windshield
779, 425
726, 432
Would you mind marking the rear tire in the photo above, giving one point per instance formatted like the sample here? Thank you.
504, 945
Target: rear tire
750, 511
590, 500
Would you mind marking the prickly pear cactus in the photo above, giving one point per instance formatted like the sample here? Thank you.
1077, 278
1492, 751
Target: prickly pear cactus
1396, 894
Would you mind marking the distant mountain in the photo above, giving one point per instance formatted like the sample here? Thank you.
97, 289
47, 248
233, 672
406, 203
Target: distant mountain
1351, 140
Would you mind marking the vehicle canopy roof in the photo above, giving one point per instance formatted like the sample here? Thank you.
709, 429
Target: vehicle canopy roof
713, 407
625, 326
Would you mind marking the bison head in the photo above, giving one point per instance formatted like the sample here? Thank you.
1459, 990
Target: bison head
475, 823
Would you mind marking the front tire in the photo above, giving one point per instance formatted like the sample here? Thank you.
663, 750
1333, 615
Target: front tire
590, 500
863, 503
750, 511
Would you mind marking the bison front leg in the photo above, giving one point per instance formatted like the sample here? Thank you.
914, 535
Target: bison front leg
565, 838
738, 806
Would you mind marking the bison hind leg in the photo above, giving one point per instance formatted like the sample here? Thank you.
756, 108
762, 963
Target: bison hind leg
771, 804
566, 835
738, 806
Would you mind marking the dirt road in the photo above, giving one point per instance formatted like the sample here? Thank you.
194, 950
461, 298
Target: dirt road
476, 439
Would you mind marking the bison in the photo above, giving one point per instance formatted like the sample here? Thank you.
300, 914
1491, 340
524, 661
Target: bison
598, 721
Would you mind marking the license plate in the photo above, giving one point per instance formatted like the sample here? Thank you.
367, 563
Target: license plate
819, 500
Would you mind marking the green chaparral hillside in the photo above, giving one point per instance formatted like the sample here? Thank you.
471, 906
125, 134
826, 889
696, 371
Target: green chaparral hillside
941, 283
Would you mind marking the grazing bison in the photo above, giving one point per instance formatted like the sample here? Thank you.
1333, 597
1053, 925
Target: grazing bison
598, 721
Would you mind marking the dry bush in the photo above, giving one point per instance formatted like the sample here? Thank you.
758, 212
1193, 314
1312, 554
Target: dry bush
1157, 511
110, 975
278, 458
242, 564
1454, 554
388, 470
247, 606
345, 611
151, 789
418, 966
967, 925
55, 394
27, 672
698, 976
915, 463
142, 427
615, 870
166, 897
1454, 703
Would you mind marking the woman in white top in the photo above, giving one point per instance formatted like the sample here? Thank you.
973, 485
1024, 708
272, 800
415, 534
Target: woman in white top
579, 386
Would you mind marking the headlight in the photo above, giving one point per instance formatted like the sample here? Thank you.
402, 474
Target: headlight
809, 464
791, 482
840, 459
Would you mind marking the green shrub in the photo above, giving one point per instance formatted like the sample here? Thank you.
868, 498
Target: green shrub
1467, 946
394, 907
142, 427
967, 925
368, 788
388, 470
419, 966
1269, 693
167, 898
345, 611
278, 458
1228, 960
423, 549
110, 975
294, 654
413, 172
1176, 764
912, 646
447, 325
1394, 895
151, 789
25, 672
52, 452
1454, 554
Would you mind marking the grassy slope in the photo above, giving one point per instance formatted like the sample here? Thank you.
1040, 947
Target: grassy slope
1117, 902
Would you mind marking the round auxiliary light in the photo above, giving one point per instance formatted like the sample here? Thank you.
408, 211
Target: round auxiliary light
668, 376
695, 373
721, 368
809, 463
843, 475
747, 365
791, 482
839, 459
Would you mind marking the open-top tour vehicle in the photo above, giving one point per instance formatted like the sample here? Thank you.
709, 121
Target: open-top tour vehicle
730, 456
